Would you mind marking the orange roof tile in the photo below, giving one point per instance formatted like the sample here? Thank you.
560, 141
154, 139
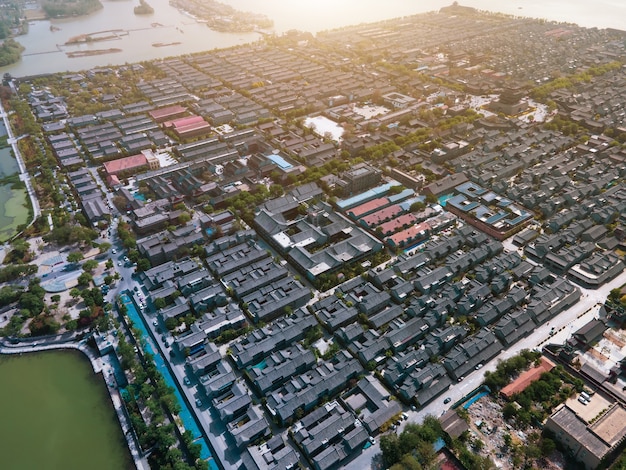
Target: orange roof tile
527, 377
125, 164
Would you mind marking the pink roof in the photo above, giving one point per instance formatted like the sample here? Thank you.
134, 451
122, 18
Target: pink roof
409, 234
113, 180
188, 121
124, 164
368, 207
377, 217
192, 127
397, 223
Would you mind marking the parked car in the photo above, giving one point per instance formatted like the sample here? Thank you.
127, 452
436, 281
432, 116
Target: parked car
447, 400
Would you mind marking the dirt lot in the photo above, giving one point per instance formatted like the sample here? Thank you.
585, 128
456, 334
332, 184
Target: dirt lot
487, 424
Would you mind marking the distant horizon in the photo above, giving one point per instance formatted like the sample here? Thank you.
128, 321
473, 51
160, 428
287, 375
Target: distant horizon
319, 15
43, 55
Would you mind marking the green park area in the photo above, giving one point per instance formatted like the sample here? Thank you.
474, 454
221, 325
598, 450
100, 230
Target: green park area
60, 415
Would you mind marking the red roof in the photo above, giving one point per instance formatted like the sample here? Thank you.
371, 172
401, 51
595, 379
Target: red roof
527, 377
125, 164
186, 121
410, 234
164, 113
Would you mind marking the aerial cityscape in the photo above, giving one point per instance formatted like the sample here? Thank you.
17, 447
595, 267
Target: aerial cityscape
393, 243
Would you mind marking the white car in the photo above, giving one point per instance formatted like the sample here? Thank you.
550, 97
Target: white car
113, 251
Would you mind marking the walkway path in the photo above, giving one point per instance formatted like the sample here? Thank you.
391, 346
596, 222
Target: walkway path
99, 365
24, 176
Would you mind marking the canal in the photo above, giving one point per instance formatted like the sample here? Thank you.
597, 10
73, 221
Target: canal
57, 414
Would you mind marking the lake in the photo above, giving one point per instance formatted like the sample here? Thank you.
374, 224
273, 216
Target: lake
8, 163
46, 52
13, 210
56, 414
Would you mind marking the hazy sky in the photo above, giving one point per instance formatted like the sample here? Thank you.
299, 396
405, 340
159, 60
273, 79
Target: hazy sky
316, 15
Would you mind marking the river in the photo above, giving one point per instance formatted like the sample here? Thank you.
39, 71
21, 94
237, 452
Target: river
45, 51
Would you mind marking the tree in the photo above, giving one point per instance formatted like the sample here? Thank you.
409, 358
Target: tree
74, 293
159, 303
33, 303
170, 402
184, 218
408, 442
90, 265
74, 257
104, 247
171, 323
547, 446
143, 264
84, 279
43, 325
431, 199
390, 447
417, 206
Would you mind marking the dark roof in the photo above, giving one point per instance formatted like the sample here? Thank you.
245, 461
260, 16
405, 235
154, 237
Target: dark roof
591, 331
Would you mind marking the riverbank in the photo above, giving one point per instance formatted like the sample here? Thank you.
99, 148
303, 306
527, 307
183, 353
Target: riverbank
41, 55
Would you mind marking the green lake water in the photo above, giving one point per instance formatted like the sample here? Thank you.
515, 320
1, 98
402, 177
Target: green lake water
13, 210
8, 163
56, 414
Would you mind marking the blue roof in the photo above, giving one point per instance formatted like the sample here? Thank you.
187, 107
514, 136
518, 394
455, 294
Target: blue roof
470, 189
365, 196
280, 161
401, 196
496, 218
406, 205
